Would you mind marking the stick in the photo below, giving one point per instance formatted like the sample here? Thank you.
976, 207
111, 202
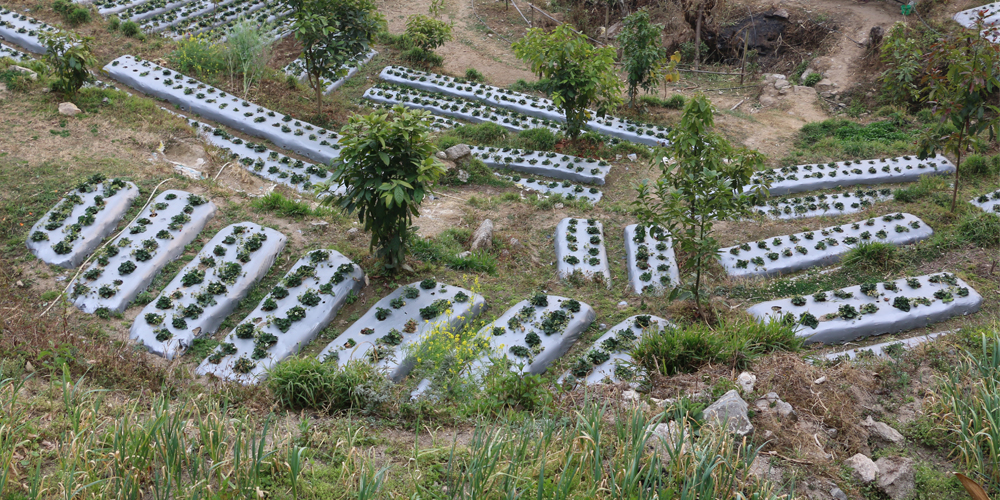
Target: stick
737, 104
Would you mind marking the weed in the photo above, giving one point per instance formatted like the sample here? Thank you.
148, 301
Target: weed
194, 55
981, 229
872, 257
473, 75
306, 382
278, 204
131, 30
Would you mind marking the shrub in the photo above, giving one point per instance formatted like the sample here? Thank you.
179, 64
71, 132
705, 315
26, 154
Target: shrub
872, 256
473, 75
813, 79
280, 205
306, 382
114, 23
483, 133
70, 57
426, 33
418, 55
979, 165
981, 229
195, 56
247, 51
540, 139
675, 101
130, 29
644, 59
511, 389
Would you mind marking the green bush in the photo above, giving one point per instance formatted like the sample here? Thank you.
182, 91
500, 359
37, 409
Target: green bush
925, 116
473, 75
981, 229
280, 205
114, 23
195, 56
874, 256
540, 139
536, 86
685, 349
510, 389
62, 6
70, 58
130, 29
307, 383
16, 81
427, 33
979, 165
675, 101
418, 55
78, 16
483, 133
813, 79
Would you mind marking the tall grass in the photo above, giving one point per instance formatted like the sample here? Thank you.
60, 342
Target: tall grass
247, 51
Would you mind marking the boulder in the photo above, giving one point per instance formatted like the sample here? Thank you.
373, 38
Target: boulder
824, 85
896, 477
730, 413
768, 101
838, 494
782, 13
68, 109
31, 75
457, 152
483, 237
746, 381
821, 64
882, 431
864, 470
666, 437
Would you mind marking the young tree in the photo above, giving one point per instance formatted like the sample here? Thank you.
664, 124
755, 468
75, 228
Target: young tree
961, 76
331, 33
701, 182
580, 75
643, 58
387, 165
70, 57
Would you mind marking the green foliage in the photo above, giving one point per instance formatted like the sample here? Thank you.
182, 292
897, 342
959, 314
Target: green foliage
675, 101
813, 79
278, 204
478, 173
331, 33
114, 22
388, 165
700, 185
196, 55
307, 383
981, 229
685, 349
541, 85
131, 29
539, 139
643, 58
421, 56
74, 14
962, 81
446, 247
981, 165
872, 257
473, 75
247, 51
926, 186
902, 52
70, 57
581, 75
426, 33
510, 389
483, 133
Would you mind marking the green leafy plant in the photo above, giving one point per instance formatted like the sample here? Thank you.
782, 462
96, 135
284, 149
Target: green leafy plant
331, 33
580, 74
70, 57
644, 59
388, 165
426, 34
247, 51
702, 184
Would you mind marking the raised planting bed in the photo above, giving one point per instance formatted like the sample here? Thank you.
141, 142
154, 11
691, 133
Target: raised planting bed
207, 290
181, 14
967, 18
802, 178
652, 266
471, 111
548, 164
608, 361
142, 10
224, 18
795, 252
259, 160
315, 143
291, 316
297, 69
580, 247
23, 31
526, 104
75, 227
108, 7
566, 189
893, 348
873, 308
436, 123
128, 264
13, 53
399, 321
989, 202
822, 204
536, 332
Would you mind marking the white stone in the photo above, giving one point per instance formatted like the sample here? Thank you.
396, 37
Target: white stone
746, 381
457, 152
730, 412
882, 431
896, 477
863, 468
463, 176
68, 109
483, 237
27, 72
667, 440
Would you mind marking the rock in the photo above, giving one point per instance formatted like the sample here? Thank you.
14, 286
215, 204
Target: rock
805, 74
613, 30
746, 381
464, 254
20, 283
442, 155
824, 85
514, 242
664, 438
28, 367
483, 237
771, 403
863, 469
730, 411
463, 176
68, 109
909, 412
782, 13
622, 305
781, 83
821, 64
820, 380
838, 494
875, 37
767, 101
31, 75
457, 151
882, 431
632, 156
896, 476
762, 468
558, 206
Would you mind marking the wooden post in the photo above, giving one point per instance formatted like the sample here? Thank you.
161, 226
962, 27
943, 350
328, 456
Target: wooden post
697, 37
746, 42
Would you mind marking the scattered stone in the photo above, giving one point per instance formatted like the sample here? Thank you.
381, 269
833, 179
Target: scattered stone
20, 284
820, 380
771, 403
558, 206
457, 152
483, 237
31, 75
622, 305
863, 468
838, 494
463, 176
746, 381
352, 231
442, 155
730, 411
882, 431
68, 109
663, 438
896, 476
762, 468
514, 242
821, 64
824, 85
28, 367
464, 254
909, 412
782, 13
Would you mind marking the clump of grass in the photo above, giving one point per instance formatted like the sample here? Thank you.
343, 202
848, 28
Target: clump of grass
278, 204
306, 382
685, 349
981, 229
478, 173
446, 247
872, 257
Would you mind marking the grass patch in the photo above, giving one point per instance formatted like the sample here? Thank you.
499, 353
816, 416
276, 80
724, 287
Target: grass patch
308, 383
278, 204
981, 229
447, 248
874, 257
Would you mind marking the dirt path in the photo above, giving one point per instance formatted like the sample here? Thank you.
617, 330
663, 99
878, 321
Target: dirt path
472, 45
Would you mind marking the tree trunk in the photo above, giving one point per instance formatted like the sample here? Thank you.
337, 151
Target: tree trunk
697, 38
958, 164
319, 97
